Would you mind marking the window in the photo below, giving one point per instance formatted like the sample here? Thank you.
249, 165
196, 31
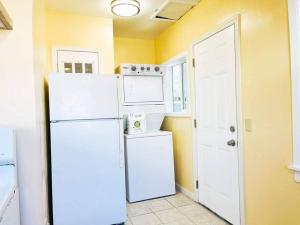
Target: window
179, 90
177, 87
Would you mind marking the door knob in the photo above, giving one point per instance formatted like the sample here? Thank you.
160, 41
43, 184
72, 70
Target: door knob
231, 143
232, 129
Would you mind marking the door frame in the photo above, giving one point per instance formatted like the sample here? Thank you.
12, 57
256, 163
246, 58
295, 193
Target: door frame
236, 22
55, 49
294, 18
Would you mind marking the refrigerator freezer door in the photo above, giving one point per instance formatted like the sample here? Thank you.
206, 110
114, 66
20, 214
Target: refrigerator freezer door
75, 97
88, 178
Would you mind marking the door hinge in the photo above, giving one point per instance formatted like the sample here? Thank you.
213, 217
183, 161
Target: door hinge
197, 184
194, 62
195, 123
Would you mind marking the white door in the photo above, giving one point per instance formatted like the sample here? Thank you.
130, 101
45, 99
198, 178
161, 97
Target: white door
76, 61
215, 79
88, 175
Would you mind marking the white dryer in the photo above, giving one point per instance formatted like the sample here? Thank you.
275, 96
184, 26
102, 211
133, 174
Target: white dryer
149, 165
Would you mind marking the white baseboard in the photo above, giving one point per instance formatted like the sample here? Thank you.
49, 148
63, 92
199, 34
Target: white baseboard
186, 192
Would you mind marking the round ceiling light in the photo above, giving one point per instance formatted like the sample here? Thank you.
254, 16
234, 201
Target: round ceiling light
125, 8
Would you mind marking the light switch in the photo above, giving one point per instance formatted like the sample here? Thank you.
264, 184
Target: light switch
248, 125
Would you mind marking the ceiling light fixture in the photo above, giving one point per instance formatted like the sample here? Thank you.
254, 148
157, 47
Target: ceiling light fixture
125, 8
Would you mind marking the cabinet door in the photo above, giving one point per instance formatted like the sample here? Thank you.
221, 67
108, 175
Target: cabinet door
76, 61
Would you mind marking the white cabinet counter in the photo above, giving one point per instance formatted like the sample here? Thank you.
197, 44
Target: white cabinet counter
9, 199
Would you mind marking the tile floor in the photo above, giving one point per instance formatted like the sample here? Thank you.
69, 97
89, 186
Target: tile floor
172, 210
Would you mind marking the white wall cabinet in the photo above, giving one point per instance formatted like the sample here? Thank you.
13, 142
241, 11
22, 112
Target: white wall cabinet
76, 61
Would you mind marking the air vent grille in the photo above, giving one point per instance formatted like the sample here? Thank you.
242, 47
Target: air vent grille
173, 10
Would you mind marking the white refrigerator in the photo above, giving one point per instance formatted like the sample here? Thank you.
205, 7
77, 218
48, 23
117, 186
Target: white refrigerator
87, 150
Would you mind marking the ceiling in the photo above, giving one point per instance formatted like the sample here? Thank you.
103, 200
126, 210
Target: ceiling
140, 26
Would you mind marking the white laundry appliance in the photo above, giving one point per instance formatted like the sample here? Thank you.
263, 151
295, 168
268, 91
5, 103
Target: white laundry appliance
149, 165
9, 195
87, 150
149, 155
142, 91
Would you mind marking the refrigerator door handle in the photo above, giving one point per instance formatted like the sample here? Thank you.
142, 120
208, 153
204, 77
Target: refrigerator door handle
121, 145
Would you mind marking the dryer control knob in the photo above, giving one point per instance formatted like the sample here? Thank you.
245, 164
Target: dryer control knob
133, 68
156, 69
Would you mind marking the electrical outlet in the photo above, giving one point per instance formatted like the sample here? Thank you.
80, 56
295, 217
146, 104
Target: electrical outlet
248, 125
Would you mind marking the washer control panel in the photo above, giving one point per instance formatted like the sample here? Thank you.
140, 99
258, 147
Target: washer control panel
142, 69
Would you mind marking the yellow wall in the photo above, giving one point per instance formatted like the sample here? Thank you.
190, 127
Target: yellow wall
130, 50
183, 154
272, 196
40, 71
74, 30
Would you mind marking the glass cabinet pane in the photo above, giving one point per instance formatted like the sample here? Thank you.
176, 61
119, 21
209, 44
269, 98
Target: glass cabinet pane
78, 68
88, 68
68, 68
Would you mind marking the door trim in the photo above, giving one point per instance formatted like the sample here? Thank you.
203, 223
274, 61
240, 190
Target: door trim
294, 18
236, 22
55, 49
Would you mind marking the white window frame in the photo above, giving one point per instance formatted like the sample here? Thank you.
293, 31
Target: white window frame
55, 49
181, 58
294, 20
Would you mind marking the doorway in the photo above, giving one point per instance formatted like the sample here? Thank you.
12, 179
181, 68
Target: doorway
218, 132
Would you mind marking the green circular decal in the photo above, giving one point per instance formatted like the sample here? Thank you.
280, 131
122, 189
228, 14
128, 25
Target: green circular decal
137, 124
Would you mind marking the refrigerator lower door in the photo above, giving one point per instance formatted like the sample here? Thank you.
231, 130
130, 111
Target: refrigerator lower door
88, 183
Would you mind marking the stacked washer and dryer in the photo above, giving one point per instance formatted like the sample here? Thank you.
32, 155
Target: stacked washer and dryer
148, 150
9, 197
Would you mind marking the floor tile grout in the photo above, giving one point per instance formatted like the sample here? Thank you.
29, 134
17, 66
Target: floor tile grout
174, 202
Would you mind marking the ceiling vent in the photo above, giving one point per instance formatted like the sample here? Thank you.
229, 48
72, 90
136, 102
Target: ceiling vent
173, 10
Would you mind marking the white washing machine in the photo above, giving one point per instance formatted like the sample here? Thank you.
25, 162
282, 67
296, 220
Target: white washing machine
149, 165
